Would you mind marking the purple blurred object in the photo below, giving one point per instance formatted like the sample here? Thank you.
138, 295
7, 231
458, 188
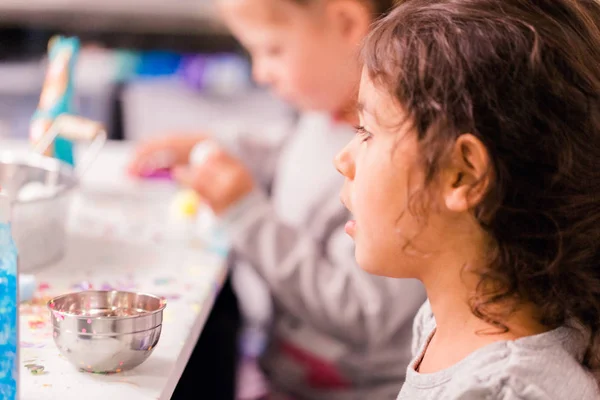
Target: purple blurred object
192, 70
223, 73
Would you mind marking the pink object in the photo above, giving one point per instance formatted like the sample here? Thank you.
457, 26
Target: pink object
251, 383
158, 174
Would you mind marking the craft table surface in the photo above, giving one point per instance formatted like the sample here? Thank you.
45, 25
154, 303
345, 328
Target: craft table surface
118, 239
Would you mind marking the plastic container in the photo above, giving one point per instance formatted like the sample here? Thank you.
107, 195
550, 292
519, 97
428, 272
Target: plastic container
9, 309
27, 287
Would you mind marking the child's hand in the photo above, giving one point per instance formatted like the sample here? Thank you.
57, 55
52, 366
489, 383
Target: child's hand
163, 153
220, 179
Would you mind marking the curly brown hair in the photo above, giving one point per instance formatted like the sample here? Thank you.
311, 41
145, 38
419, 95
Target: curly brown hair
379, 7
524, 77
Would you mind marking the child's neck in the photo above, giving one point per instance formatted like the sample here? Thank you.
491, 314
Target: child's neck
458, 331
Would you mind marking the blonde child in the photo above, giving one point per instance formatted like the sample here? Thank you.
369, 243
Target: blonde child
337, 333
476, 169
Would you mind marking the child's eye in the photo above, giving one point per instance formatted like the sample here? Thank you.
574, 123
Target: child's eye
363, 133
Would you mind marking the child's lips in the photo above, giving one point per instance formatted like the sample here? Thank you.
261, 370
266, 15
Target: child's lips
350, 227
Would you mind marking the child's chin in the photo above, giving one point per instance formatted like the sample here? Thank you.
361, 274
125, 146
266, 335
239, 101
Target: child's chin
368, 264
373, 266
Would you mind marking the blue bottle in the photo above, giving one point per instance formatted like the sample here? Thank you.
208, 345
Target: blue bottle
57, 95
9, 306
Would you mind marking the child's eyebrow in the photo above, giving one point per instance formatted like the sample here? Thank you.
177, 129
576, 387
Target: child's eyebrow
362, 108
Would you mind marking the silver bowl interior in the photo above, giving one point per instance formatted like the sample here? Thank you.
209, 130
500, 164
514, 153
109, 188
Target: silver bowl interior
17, 170
106, 304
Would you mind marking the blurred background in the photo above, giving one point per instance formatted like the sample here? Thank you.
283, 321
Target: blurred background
146, 66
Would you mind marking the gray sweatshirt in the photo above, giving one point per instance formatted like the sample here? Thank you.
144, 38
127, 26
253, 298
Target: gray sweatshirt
338, 332
540, 367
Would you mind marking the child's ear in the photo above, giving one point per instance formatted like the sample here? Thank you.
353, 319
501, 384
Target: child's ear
467, 180
350, 18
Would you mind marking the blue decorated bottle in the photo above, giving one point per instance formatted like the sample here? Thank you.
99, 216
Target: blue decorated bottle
57, 96
9, 306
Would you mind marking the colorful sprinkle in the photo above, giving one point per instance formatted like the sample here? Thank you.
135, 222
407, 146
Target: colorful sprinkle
101, 372
37, 323
84, 330
85, 285
89, 321
162, 281
35, 369
29, 345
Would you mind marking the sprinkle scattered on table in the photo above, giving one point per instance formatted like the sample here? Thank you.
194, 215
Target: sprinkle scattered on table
35, 369
43, 286
37, 323
29, 345
163, 281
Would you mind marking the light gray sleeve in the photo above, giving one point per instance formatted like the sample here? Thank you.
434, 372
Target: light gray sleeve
318, 279
259, 154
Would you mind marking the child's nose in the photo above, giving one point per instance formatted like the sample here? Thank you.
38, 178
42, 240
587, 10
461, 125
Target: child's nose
344, 163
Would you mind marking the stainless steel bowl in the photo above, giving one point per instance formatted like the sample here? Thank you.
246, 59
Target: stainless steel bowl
106, 331
39, 226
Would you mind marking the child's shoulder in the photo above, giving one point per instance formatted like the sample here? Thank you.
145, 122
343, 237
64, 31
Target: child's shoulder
543, 366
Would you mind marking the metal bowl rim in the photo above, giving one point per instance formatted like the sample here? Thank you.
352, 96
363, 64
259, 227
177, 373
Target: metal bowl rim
163, 305
63, 331
47, 164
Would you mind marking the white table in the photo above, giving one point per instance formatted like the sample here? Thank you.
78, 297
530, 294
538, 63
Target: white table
118, 240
